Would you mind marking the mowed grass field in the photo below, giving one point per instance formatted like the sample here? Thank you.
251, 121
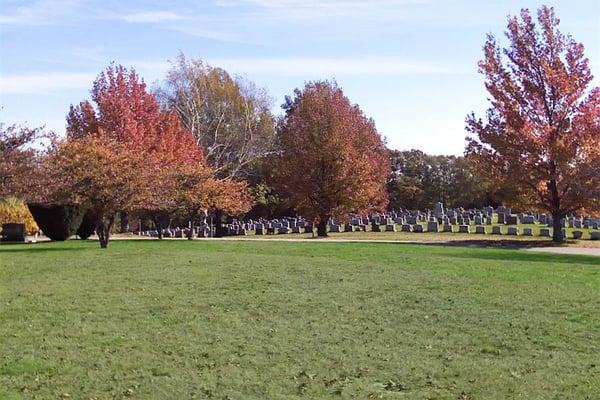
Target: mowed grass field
284, 320
501, 240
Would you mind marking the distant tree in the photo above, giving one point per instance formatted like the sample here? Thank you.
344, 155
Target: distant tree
541, 139
419, 180
331, 160
453, 181
406, 186
16, 156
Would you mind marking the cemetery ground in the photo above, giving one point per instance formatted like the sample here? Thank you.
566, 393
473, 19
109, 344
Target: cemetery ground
478, 240
257, 319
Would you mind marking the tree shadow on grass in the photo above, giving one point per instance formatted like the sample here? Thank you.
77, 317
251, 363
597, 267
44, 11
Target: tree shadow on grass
501, 243
501, 250
548, 258
515, 255
40, 247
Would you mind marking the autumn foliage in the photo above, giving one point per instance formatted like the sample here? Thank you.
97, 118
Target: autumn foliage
541, 137
332, 161
199, 189
13, 210
125, 112
229, 117
123, 153
16, 157
186, 151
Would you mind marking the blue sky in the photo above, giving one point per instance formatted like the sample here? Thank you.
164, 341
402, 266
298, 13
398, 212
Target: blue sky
410, 64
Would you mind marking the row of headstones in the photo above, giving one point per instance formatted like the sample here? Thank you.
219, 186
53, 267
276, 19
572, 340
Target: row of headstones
262, 229
496, 230
384, 221
456, 216
235, 228
264, 224
431, 227
485, 216
201, 231
479, 220
439, 215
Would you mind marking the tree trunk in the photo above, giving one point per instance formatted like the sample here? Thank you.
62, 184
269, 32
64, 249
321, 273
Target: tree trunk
322, 226
557, 215
557, 235
158, 225
103, 228
203, 224
124, 217
218, 223
190, 235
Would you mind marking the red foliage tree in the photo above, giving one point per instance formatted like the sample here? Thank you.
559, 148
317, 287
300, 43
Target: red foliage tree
332, 161
541, 140
167, 170
126, 113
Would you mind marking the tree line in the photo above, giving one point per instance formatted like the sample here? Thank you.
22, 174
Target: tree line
206, 142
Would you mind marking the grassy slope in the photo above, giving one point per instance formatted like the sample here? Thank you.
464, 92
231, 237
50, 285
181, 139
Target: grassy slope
244, 320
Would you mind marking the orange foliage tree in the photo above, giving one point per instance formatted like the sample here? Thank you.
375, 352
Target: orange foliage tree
331, 160
197, 190
541, 139
99, 175
16, 156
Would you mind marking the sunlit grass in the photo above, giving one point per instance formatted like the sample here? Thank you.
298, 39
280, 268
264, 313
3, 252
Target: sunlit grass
273, 320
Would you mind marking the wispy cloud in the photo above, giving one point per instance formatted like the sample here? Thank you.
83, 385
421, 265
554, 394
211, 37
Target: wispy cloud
45, 82
220, 35
291, 9
58, 12
329, 67
153, 17
305, 67
40, 12
310, 67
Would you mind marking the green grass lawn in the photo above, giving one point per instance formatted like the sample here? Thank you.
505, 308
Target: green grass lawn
283, 320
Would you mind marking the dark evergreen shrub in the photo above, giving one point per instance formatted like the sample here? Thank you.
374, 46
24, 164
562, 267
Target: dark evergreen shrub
57, 222
88, 225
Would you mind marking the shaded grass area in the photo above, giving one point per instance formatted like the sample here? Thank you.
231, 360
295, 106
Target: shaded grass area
427, 237
278, 320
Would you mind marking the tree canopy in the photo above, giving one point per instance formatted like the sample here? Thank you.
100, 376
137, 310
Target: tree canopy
16, 156
229, 117
124, 153
331, 160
